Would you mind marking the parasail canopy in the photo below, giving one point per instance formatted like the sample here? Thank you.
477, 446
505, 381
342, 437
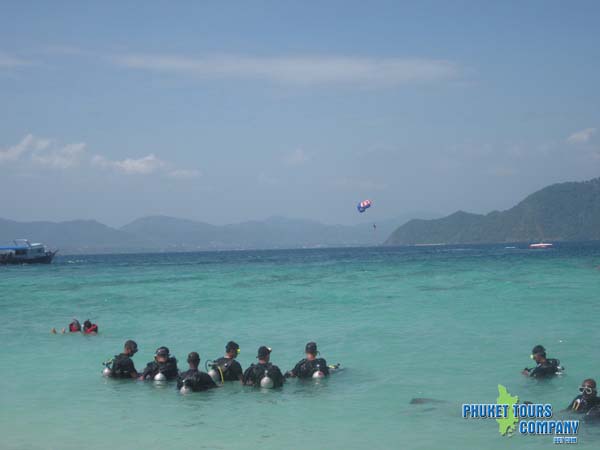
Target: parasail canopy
363, 206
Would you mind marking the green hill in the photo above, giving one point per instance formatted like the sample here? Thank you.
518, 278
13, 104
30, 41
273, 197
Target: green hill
560, 212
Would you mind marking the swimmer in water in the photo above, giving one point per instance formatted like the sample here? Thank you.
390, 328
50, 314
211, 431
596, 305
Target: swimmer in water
227, 368
89, 327
121, 366
545, 367
264, 373
311, 366
74, 327
163, 364
587, 398
193, 379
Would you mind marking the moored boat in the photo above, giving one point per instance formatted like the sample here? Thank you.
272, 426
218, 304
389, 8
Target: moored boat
25, 252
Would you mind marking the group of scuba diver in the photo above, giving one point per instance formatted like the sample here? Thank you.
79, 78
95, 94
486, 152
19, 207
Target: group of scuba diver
587, 402
263, 373
75, 327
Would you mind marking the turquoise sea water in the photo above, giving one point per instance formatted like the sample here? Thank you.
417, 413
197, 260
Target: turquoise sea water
447, 323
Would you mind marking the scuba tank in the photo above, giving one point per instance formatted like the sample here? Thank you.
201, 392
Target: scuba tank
266, 382
107, 371
185, 389
215, 372
555, 363
160, 377
317, 373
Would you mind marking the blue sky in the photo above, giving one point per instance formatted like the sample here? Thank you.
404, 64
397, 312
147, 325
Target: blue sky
244, 110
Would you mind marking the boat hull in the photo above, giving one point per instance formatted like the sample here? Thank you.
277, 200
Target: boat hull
11, 259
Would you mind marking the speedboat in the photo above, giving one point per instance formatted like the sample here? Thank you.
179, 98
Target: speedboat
540, 245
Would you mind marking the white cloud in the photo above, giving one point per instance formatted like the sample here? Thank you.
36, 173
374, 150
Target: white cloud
59, 158
45, 152
296, 158
13, 153
300, 70
48, 153
147, 165
130, 166
582, 136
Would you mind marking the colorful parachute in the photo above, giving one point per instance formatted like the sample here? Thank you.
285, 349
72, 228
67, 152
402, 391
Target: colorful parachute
363, 206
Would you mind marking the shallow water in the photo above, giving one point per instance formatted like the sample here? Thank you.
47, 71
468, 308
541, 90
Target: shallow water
444, 322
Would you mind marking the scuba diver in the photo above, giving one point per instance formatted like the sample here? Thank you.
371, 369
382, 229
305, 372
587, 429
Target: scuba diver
89, 327
545, 367
587, 399
121, 366
264, 373
163, 368
192, 379
227, 368
311, 366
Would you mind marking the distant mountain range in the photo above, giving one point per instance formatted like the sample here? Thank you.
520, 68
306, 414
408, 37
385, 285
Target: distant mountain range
560, 212
161, 233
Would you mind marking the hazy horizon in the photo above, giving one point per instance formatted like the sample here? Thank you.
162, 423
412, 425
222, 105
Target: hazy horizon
224, 113
364, 221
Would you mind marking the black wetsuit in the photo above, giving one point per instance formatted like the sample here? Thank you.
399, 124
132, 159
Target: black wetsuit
547, 369
256, 372
168, 369
306, 368
232, 370
593, 415
582, 404
122, 367
195, 380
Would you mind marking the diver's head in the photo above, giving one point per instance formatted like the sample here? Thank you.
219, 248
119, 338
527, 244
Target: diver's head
588, 388
264, 354
193, 360
161, 355
538, 353
311, 351
74, 325
232, 349
130, 348
87, 324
